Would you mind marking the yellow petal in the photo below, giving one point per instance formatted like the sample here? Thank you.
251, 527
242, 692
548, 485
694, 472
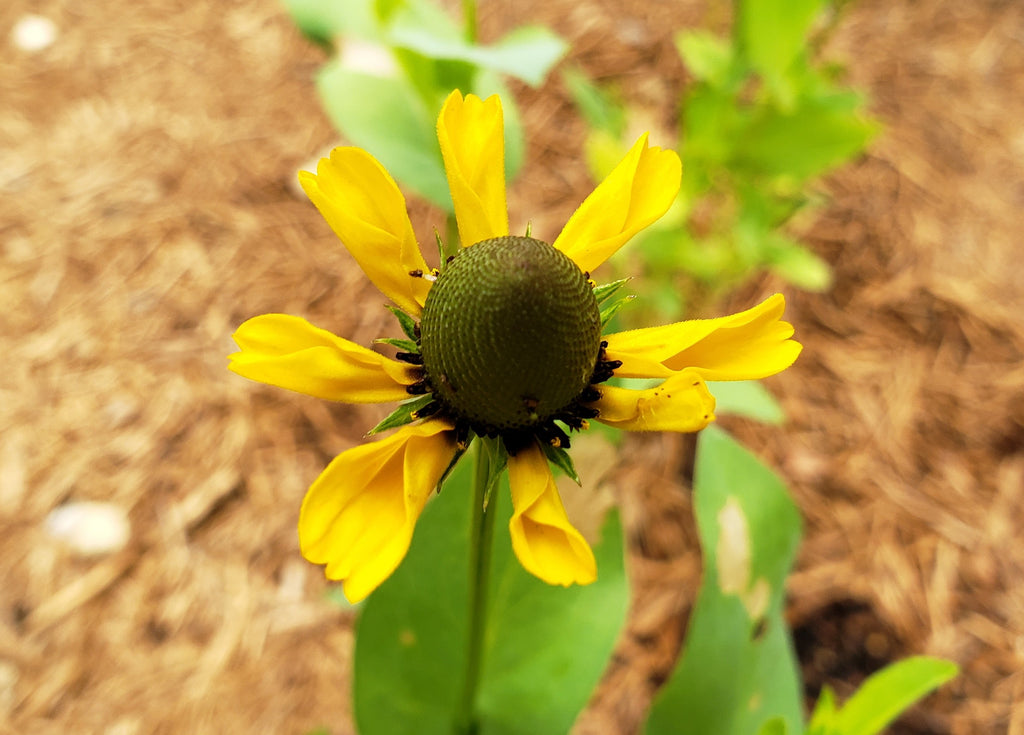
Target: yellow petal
359, 515
636, 193
291, 353
682, 403
472, 136
747, 346
545, 542
364, 207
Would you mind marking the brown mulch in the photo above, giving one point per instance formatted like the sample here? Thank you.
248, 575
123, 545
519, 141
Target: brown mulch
147, 208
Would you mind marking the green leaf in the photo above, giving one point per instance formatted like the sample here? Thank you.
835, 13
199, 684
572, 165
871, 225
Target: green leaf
497, 463
405, 345
747, 398
562, 460
545, 647
396, 127
884, 695
548, 646
738, 669
404, 414
824, 713
819, 135
323, 21
526, 53
774, 726
773, 33
610, 310
411, 637
708, 57
407, 323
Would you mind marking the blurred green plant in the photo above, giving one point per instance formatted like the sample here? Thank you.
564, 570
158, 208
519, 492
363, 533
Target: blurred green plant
761, 123
738, 673
395, 61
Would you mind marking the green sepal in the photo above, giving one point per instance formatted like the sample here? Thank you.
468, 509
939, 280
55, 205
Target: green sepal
613, 308
606, 290
407, 323
497, 463
404, 414
561, 459
406, 345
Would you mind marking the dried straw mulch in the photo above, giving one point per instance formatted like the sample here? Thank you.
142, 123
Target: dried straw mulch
146, 161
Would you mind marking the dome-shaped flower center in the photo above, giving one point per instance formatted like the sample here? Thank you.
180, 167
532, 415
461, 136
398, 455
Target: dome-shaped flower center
510, 334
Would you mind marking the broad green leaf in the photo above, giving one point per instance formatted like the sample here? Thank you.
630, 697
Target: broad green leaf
747, 398
738, 669
324, 21
411, 637
772, 33
545, 647
396, 128
526, 53
712, 126
824, 713
775, 726
884, 695
548, 646
707, 56
817, 136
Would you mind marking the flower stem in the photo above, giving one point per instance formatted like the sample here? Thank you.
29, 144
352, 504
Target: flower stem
481, 537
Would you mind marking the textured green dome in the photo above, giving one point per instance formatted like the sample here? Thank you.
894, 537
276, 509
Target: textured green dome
510, 334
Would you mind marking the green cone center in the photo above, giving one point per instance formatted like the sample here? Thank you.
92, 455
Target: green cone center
510, 334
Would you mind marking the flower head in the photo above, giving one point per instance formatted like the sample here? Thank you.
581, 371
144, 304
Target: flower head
503, 341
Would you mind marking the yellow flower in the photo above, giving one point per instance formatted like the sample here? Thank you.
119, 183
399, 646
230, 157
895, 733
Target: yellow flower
507, 345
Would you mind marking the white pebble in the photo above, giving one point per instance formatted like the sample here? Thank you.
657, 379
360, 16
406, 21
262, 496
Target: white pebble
90, 528
34, 32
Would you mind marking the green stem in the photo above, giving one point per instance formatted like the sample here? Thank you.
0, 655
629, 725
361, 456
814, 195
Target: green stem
469, 19
481, 537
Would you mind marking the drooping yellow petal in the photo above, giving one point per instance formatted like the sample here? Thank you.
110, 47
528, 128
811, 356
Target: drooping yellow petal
358, 516
636, 193
750, 345
364, 207
682, 403
472, 136
291, 353
545, 542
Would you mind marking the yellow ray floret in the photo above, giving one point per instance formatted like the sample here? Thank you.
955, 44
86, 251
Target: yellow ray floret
291, 353
750, 345
636, 193
546, 544
682, 403
359, 515
472, 138
364, 207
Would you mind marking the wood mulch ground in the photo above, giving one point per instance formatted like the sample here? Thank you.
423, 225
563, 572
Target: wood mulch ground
147, 207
